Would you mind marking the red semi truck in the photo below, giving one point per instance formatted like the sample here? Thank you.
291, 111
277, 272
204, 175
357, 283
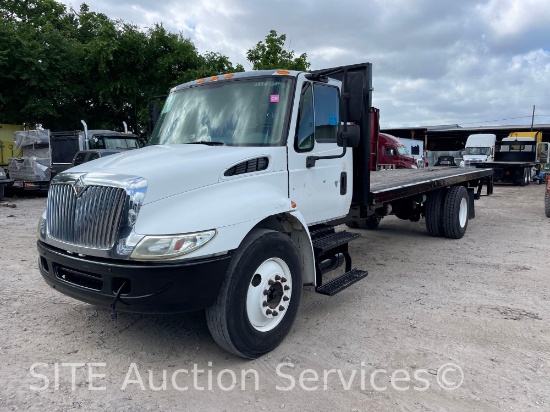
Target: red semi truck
387, 149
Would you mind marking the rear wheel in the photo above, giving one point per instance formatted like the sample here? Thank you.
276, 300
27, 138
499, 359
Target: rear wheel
547, 205
260, 296
434, 213
1, 192
352, 224
370, 223
456, 212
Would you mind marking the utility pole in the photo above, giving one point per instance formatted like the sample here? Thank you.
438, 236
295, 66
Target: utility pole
533, 118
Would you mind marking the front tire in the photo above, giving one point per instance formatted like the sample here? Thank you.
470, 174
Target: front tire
456, 212
260, 296
547, 204
1, 192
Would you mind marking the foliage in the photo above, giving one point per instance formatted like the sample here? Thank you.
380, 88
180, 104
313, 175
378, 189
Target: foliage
58, 66
271, 54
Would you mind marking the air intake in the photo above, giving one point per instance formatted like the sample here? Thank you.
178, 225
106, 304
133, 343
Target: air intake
252, 165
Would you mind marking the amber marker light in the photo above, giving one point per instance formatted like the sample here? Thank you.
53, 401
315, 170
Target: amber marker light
228, 76
214, 78
200, 81
293, 204
283, 72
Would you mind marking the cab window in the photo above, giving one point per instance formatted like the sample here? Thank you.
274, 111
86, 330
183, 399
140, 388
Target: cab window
93, 156
318, 116
79, 159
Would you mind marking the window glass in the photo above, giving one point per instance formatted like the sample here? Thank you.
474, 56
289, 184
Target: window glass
390, 151
93, 156
79, 159
304, 135
249, 112
326, 113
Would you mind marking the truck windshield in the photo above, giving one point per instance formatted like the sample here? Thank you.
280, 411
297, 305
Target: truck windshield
477, 151
106, 142
403, 151
249, 112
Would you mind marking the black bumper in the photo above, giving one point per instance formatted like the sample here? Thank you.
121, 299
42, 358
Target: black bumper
149, 288
6, 182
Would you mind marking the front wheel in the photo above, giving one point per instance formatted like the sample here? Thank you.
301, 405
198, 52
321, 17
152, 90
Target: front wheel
1, 192
260, 296
547, 205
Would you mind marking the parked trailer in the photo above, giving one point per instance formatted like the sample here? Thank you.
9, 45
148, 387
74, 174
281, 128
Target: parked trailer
515, 158
233, 208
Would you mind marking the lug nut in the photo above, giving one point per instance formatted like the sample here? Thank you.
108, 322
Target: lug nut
277, 277
281, 308
285, 298
275, 313
268, 312
270, 282
283, 279
266, 292
287, 287
264, 303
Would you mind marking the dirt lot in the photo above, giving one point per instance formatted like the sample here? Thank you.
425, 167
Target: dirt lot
398, 340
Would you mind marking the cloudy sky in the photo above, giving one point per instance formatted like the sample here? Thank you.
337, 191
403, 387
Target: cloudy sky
435, 62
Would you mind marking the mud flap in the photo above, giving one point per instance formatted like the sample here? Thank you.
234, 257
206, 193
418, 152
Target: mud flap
471, 208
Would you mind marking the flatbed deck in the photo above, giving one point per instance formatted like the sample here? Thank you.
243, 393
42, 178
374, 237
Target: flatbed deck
389, 185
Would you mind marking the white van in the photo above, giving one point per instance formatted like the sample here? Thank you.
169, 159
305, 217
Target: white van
479, 148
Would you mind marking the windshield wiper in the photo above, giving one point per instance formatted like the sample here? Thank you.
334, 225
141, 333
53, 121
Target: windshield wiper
208, 143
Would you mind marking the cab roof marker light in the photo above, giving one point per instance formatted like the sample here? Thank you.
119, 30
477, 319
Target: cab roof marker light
200, 81
228, 76
283, 72
214, 78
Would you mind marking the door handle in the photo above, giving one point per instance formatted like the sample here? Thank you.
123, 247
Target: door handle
343, 183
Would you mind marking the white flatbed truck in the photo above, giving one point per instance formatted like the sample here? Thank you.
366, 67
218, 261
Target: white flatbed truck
233, 206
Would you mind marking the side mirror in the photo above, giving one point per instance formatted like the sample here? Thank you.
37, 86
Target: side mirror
352, 137
355, 92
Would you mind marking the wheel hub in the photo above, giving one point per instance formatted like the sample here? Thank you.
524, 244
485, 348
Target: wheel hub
269, 294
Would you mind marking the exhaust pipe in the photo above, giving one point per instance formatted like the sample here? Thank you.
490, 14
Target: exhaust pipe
85, 129
125, 127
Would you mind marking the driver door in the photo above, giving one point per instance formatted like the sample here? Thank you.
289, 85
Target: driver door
322, 192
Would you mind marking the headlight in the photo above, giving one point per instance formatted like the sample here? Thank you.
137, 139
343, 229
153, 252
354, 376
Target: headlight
170, 247
2, 174
41, 229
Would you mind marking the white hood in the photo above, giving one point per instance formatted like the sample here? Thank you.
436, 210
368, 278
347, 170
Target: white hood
173, 169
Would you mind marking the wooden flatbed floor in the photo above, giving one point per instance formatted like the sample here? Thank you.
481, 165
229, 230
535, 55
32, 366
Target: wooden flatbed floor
388, 185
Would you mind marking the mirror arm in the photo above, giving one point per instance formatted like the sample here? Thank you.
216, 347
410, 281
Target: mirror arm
311, 160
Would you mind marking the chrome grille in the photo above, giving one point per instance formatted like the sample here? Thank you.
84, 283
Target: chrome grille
90, 220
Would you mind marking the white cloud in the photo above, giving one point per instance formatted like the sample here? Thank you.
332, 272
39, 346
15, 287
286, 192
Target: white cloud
434, 61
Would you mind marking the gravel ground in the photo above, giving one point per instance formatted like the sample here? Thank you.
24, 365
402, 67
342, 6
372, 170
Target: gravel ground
438, 325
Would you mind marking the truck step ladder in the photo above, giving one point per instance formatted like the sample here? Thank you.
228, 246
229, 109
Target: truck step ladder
331, 245
338, 284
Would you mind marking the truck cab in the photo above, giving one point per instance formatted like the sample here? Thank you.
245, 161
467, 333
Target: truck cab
390, 151
480, 148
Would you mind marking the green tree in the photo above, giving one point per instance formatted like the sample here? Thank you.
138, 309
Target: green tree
59, 66
271, 54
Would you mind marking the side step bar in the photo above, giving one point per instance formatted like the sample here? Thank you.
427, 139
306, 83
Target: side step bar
338, 284
331, 245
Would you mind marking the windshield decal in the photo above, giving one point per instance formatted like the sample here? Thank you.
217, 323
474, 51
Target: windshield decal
274, 98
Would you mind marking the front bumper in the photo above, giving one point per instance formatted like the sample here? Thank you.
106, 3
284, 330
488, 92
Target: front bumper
149, 288
6, 182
